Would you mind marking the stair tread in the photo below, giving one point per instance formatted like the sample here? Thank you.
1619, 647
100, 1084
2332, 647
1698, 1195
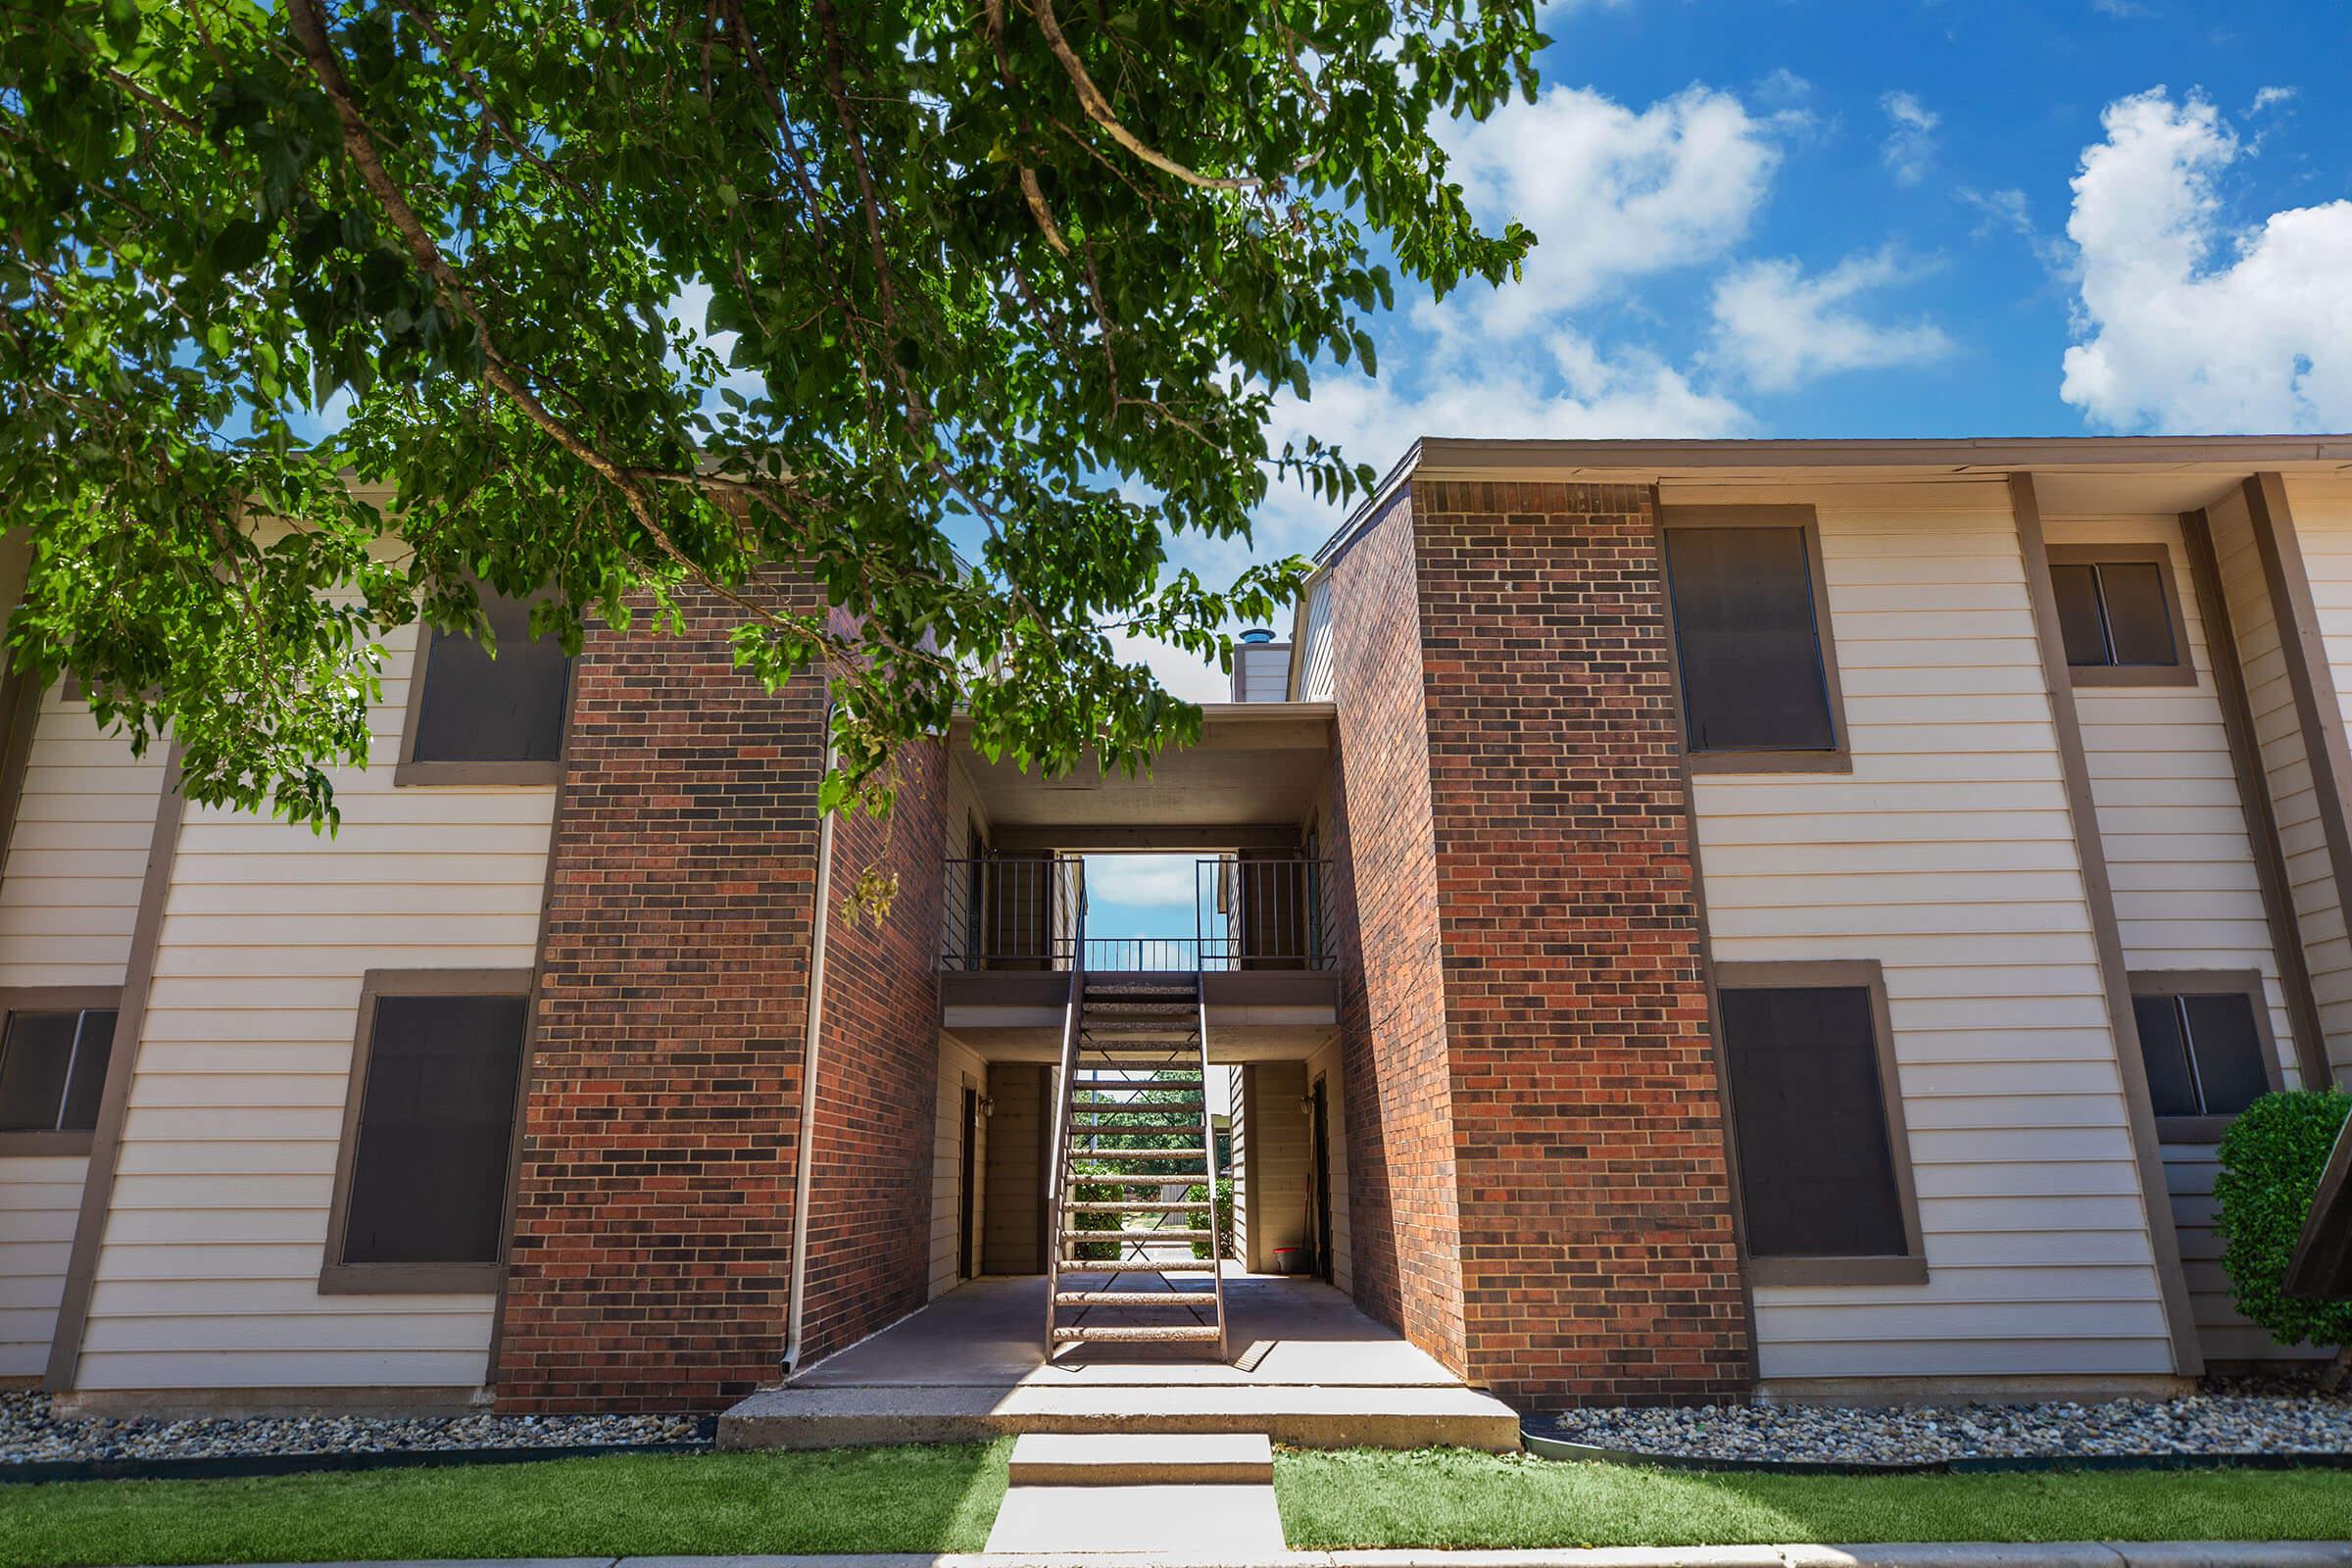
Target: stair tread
1139, 1238
1173, 1333
1154, 1155
1156, 1205
1167, 1299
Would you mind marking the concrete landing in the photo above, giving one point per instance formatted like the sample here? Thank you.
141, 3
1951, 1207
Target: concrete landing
1308, 1369
1212, 1523
1141, 1459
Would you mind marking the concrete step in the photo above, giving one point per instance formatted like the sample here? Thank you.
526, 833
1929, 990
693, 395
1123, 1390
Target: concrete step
1157, 1205
1311, 1416
1226, 1524
1187, 1299
1141, 1459
1129, 1333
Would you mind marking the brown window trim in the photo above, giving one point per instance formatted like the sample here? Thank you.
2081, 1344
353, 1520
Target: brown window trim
1839, 758
1910, 1266
407, 771
410, 1279
2183, 672
52, 999
2213, 983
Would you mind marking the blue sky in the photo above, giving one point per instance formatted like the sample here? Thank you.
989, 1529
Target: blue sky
1923, 217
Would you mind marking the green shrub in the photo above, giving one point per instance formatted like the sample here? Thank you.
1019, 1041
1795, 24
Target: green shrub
2272, 1157
1198, 1193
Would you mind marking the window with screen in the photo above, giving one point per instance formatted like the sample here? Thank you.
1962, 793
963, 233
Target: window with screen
428, 1149
1747, 637
2205, 1051
1819, 1177
475, 717
53, 1069
2118, 613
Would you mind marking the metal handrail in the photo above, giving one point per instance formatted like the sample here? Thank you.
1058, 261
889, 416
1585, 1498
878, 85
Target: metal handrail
1208, 1185
1064, 1105
1264, 913
1011, 912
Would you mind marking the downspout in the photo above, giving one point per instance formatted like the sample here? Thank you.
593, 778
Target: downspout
806, 1154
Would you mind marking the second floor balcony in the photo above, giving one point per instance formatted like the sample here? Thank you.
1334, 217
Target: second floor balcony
1250, 911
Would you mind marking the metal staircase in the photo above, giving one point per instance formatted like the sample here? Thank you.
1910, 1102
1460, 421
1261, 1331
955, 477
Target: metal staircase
1134, 1077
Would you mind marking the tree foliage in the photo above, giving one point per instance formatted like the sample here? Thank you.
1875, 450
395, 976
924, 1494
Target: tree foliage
1032, 269
2270, 1160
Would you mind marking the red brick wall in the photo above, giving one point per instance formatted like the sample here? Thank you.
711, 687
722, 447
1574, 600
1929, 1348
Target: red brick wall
877, 1075
1597, 1256
649, 1256
1400, 1138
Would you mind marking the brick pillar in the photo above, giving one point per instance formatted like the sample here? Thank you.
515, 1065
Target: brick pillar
1403, 1203
1598, 1261
649, 1256
1541, 1197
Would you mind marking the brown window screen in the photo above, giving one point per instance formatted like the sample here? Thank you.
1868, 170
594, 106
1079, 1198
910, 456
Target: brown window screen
1815, 1172
436, 1118
2114, 613
53, 1069
1744, 627
2203, 1053
476, 709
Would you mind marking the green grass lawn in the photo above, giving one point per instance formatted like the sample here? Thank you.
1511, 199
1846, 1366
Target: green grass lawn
927, 1500
844, 1500
1449, 1498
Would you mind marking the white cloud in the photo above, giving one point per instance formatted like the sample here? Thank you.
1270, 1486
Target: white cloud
2189, 325
1564, 388
2269, 98
1910, 144
1140, 880
1781, 328
1180, 675
1611, 194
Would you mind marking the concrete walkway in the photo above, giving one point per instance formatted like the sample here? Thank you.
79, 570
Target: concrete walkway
1947, 1554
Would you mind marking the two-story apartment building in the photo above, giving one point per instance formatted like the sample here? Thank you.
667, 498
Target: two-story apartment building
1695, 920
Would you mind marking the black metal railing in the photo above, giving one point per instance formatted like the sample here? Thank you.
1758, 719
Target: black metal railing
1264, 913
1027, 913
1012, 912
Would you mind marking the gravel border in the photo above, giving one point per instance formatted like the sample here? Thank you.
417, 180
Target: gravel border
32, 1432
2195, 1428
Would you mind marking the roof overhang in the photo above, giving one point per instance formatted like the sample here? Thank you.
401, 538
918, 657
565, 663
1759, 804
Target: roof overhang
1254, 763
2123, 473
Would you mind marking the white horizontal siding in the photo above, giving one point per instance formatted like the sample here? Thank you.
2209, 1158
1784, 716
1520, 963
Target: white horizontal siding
39, 1198
208, 1276
1326, 1066
2286, 771
2322, 513
1316, 657
70, 891
2186, 897
2177, 845
1947, 854
69, 896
